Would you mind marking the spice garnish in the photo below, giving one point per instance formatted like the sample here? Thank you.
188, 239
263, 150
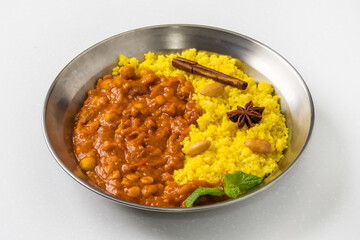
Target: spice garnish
212, 90
238, 183
201, 191
234, 185
249, 116
198, 147
258, 145
193, 67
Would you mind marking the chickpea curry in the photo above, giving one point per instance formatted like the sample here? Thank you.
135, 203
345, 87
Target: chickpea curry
185, 136
129, 133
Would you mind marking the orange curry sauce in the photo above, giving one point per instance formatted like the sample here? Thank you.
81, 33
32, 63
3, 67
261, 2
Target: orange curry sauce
128, 136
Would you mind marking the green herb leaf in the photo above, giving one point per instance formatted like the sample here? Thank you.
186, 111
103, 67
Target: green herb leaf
201, 191
237, 183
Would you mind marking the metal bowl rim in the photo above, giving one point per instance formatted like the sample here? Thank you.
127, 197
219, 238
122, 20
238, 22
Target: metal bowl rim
180, 210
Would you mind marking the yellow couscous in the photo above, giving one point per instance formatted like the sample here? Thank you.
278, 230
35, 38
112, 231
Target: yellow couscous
227, 152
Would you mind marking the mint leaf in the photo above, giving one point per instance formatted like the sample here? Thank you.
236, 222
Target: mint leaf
238, 183
201, 191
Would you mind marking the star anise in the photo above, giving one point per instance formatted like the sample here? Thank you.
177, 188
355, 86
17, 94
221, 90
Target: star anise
249, 116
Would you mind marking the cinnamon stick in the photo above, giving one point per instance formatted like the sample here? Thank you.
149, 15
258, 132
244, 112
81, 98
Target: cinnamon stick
195, 68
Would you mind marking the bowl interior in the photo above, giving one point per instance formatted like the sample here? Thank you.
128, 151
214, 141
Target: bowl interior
70, 88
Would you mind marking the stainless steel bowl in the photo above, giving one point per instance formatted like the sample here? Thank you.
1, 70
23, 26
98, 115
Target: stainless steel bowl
69, 89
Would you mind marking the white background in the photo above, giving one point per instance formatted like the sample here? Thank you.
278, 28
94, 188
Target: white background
318, 199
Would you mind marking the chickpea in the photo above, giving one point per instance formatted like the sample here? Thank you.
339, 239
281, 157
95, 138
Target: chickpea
126, 182
126, 86
147, 180
102, 101
160, 100
126, 112
113, 159
199, 109
145, 111
137, 91
123, 125
150, 124
173, 81
141, 135
135, 112
138, 105
107, 77
167, 189
164, 132
149, 190
135, 122
86, 145
167, 176
133, 134
117, 81
128, 72
156, 152
148, 79
184, 190
125, 132
91, 127
132, 177
110, 117
160, 187
92, 153
127, 123
88, 163
113, 185
105, 84
134, 192
107, 146
115, 174
171, 110
109, 168
184, 92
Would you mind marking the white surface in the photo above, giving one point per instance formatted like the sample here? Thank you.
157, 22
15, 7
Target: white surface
318, 199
